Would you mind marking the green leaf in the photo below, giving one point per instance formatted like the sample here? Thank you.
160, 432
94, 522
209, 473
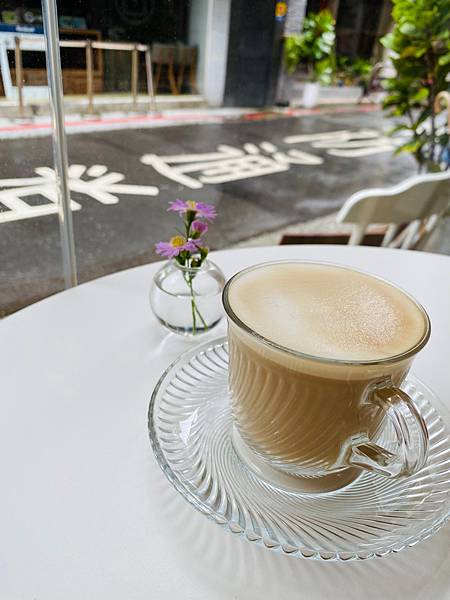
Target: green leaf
391, 100
421, 95
329, 37
407, 28
388, 40
409, 147
398, 128
444, 35
414, 51
401, 110
444, 60
443, 140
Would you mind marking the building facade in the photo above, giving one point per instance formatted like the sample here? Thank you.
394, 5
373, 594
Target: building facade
239, 43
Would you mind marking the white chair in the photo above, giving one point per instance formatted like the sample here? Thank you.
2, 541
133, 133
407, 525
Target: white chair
419, 202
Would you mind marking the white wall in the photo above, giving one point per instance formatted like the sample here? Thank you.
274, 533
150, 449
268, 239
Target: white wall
198, 19
208, 29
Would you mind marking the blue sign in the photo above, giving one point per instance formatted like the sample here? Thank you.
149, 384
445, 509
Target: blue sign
28, 29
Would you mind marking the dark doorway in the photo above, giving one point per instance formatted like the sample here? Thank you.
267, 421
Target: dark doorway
356, 27
254, 53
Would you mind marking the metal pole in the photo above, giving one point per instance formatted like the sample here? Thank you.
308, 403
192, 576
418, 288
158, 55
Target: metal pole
50, 18
149, 71
89, 77
134, 74
19, 73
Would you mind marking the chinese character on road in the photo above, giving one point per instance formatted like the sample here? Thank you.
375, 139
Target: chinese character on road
99, 185
346, 144
227, 164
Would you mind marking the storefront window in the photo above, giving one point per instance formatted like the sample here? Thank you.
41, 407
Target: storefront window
190, 99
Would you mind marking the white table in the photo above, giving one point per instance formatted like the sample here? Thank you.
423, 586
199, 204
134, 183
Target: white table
86, 513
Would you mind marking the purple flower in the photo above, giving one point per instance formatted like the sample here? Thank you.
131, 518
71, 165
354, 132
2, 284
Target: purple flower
166, 249
192, 246
179, 206
201, 210
199, 227
176, 245
205, 211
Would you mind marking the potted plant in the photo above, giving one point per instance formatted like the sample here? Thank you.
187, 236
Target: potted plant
353, 71
313, 49
420, 49
351, 78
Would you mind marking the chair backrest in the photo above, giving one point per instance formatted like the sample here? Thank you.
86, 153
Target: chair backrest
163, 54
186, 55
419, 202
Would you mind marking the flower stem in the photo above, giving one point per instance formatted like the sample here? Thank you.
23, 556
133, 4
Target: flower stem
201, 318
194, 307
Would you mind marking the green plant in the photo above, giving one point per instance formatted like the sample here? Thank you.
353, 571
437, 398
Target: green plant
362, 69
420, 47
314, 47
355, 71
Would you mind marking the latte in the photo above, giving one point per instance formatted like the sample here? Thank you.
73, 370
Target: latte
327, 311
309, 344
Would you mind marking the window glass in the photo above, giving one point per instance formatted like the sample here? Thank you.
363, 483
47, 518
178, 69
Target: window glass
204, 100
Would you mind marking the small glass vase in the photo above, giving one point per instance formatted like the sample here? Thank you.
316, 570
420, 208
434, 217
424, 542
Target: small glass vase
188, 300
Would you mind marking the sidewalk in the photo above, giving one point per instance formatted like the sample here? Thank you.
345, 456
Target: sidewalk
171, 111
102, 103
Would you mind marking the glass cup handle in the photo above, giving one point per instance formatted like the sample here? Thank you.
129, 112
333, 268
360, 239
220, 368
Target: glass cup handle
411, 433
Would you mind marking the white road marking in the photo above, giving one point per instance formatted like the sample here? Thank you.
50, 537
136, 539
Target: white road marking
228, 163
103, 187
358, 152
97, 170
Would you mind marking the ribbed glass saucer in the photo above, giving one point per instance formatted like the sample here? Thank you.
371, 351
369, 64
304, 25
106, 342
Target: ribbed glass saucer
191, 433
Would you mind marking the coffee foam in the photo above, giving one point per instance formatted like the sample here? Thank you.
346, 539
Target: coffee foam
327, 311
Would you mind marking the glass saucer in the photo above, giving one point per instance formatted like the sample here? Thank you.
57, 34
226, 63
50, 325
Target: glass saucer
191, 433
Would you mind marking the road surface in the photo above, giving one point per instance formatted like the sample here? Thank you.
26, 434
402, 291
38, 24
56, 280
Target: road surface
261, 174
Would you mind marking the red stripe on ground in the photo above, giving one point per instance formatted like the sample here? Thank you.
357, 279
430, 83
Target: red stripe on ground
293, 112
111, 121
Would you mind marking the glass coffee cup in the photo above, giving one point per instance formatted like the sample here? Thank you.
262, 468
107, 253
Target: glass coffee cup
317, 355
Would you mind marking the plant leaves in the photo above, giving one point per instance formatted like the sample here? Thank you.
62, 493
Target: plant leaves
388, 40
398, 128
421, 95
415, 51
420, 53
314, 44
407, 28
412, 147
444, 60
